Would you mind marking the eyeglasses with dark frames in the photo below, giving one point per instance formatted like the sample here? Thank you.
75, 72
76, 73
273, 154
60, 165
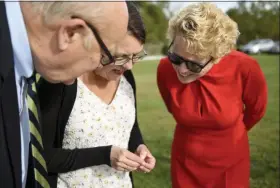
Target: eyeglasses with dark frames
101, 43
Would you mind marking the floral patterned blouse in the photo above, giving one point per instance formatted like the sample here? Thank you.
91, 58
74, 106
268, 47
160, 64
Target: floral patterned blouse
94, 123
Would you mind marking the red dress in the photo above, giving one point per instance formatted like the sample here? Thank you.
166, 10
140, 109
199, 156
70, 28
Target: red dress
210, 147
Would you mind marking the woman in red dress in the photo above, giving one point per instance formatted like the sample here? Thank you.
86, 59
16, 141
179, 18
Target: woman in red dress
215, 94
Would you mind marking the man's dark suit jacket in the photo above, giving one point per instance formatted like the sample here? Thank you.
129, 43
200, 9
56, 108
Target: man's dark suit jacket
57, 101
10, 146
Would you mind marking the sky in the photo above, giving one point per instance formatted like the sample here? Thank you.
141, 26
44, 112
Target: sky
175, 6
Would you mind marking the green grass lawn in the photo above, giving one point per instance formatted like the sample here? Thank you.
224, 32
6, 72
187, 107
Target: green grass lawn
157, 127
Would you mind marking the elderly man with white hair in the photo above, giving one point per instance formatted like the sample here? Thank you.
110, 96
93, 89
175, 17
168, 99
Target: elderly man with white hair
60, 41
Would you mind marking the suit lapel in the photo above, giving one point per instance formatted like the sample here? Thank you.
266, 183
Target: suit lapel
6, 52
10, 112
8, 97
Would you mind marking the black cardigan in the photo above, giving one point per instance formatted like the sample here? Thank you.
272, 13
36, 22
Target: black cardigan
56, 101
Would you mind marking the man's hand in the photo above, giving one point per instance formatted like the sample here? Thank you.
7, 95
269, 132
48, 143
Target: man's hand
124, 160
144, 153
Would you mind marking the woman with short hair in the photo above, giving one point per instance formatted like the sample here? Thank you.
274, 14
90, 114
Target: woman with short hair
215, 94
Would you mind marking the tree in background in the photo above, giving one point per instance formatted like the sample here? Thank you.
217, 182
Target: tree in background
155, 20
256, 20
156, 23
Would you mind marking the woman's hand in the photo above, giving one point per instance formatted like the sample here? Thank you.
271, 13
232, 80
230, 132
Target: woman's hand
144, 153
124, 160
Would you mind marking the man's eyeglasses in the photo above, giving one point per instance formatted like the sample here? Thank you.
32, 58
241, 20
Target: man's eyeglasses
193, 66
126, 58
108, 55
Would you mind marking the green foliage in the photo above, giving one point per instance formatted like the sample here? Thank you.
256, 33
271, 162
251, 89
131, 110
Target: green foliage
164, 49
256, 20
156, 23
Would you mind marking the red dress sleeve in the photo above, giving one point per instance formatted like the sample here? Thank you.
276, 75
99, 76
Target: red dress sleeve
254, 95
162, 85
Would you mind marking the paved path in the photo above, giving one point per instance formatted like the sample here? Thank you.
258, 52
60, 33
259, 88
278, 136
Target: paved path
154, 57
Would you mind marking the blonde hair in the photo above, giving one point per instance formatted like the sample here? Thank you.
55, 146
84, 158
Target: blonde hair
207, 31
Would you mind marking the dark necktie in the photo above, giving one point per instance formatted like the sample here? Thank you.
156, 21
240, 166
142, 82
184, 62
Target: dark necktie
36, 144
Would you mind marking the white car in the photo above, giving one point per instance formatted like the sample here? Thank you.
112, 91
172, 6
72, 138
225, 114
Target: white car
275, 49
258, 46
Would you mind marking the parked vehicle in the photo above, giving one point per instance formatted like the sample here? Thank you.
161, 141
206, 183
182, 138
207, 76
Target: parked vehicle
258, 46
275, 49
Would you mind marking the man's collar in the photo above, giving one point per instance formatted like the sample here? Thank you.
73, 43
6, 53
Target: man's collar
20, 43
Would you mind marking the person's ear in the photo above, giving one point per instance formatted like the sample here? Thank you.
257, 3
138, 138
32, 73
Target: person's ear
70, 31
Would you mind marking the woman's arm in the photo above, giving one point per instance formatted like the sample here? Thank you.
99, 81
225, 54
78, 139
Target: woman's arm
162, 84
63, 160
254, 95
56, 102
135, 137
